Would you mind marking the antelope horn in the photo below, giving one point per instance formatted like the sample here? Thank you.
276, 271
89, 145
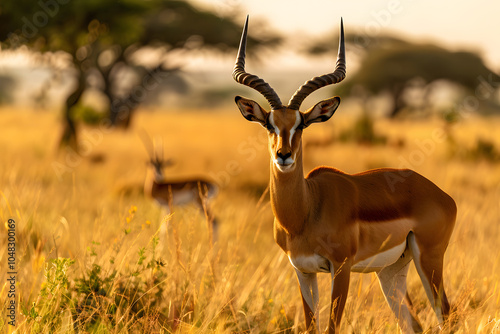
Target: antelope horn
328, 79
147, 142
162, 150
250, 80
158, 151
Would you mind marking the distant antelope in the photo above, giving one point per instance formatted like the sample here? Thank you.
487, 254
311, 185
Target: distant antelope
334, 222
170, 193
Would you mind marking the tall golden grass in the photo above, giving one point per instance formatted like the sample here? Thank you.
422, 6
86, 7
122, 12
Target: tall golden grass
89, 207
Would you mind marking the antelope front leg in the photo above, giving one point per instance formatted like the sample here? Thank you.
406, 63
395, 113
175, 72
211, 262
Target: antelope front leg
309, 290
340, 286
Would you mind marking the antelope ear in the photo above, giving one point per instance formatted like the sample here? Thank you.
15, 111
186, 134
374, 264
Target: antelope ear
251, 110
321, 112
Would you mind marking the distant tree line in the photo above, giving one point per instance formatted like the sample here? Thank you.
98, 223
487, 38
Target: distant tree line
392, 65
104, 37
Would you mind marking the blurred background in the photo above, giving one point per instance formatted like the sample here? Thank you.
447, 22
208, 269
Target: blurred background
107, 59
82, 81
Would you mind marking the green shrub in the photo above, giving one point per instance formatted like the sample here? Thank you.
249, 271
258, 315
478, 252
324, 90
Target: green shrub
484, 149
87, 114
103, 296
46, 315
362, 132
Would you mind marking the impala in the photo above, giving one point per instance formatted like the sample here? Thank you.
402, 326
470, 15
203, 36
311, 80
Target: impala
334, 222
171, 193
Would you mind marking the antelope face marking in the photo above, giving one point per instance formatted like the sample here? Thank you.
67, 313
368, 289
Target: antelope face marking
284, 127
284, 130
284, 133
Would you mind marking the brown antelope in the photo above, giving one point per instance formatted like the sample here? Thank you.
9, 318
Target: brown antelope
334, 222
171, 193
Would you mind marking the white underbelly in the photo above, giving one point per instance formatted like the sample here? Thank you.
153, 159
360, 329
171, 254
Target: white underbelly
380, 260
179, 198
183, 197
310, 264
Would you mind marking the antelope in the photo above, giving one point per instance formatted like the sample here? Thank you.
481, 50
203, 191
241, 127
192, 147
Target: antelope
333, 222
171, 193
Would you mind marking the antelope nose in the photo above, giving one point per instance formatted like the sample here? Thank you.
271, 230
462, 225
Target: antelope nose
283, 155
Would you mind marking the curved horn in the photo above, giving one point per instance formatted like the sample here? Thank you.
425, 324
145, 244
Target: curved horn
250, 80
147, 142
328, 79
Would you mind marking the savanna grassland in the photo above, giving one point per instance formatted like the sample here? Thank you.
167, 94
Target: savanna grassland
90, 257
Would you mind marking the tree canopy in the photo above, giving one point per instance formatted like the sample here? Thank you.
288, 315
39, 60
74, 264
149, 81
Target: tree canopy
389, 64
102, 37
68, 25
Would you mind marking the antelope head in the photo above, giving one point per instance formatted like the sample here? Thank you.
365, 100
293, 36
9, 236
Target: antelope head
156, 160
286, 123
158, 164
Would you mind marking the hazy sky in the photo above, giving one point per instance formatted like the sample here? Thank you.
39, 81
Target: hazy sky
472, 25
463, 24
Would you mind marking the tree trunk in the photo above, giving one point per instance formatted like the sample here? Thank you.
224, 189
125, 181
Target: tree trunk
69, 135
115, 111
398, 103
122, 109
120, 112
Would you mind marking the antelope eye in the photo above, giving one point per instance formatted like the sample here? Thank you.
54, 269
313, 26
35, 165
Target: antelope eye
269, 127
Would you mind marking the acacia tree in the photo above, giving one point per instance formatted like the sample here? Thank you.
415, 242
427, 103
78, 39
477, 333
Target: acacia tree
103, 36
389, 64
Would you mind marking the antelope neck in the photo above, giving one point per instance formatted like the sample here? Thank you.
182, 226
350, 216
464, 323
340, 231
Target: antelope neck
289, 197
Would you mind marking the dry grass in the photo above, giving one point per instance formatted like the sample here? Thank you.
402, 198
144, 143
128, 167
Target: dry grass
90, 208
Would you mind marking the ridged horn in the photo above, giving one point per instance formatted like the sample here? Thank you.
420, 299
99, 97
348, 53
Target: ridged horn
250, 80
328, 79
